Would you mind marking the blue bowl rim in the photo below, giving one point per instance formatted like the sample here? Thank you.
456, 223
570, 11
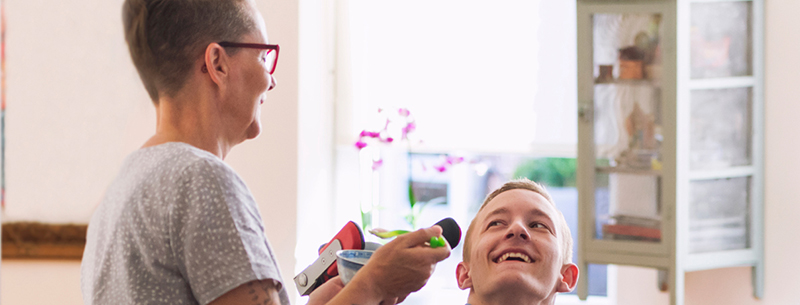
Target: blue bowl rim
350, 263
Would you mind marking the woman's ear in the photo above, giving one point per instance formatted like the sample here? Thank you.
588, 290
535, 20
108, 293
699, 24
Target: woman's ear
462, 275
216, 64
569, 278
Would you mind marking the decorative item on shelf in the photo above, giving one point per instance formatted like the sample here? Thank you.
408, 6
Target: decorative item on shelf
649, 42
643, 144
642, 59
606, 74
631, 63
641, 128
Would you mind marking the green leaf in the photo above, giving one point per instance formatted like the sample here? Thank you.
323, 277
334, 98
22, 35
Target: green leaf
412, 200
553, 172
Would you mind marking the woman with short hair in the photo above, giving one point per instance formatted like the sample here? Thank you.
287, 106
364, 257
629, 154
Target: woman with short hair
178, 225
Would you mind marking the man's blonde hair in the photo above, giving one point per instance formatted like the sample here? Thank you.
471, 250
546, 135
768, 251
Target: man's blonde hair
563, 232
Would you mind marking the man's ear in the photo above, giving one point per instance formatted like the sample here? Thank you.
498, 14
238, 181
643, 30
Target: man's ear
462, 275
569, 277
216, 63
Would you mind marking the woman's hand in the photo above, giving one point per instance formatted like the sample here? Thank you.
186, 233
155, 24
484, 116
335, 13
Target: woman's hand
393, 272
403, 265
326, 291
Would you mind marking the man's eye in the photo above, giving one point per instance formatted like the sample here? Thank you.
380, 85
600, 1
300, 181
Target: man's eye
538, 225
493, 223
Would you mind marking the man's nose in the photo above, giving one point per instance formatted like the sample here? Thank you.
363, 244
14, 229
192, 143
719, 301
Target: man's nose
517, 229
272, 82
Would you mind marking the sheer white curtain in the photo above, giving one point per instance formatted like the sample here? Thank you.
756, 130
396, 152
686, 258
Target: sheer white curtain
478, 77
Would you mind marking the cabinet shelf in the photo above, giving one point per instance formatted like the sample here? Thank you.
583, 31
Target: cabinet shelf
628, 82
627, 170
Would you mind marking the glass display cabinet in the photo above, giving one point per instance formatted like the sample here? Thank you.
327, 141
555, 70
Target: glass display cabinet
670, 137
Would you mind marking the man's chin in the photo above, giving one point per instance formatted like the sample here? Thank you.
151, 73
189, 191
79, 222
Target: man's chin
513, 285
515, 278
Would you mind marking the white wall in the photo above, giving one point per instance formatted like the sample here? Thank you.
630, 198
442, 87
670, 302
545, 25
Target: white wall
76, 108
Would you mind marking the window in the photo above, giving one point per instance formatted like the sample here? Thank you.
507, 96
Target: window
477, 77
492, 85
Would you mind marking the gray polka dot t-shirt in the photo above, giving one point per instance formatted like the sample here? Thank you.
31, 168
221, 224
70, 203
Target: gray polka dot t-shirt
177, 226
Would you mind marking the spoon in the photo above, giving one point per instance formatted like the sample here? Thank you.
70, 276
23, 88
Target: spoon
435, 242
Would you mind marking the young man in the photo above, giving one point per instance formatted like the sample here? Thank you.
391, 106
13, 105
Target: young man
518, 249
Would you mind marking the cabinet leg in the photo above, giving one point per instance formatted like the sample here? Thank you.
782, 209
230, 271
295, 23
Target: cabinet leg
677, 287
758, 280
583, 280
663, 280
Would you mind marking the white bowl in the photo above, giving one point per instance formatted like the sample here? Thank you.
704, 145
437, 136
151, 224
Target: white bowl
348, 262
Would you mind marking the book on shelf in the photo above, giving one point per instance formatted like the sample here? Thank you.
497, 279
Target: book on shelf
628, 227
632, 231
630, 238
637, 221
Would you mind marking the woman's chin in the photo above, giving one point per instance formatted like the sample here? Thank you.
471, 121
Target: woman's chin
253, 130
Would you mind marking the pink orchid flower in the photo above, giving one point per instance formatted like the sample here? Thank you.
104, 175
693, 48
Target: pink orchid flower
454, 160
377, 164
370, 134
411, 126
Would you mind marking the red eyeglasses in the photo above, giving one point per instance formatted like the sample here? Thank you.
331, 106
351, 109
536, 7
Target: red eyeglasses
270, 59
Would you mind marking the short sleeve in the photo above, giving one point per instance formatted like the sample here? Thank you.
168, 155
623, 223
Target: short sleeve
216, 233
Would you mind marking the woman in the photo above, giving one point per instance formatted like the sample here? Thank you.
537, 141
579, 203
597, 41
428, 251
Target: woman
177, 225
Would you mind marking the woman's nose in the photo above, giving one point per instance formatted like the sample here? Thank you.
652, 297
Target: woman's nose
272, 82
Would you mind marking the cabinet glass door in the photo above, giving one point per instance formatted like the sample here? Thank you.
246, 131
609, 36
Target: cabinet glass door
627, 66
721, 128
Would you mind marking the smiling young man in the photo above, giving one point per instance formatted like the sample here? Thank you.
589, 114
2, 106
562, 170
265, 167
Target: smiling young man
518, 249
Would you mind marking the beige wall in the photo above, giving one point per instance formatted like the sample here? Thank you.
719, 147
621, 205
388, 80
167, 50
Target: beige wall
50, 282
76, 108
